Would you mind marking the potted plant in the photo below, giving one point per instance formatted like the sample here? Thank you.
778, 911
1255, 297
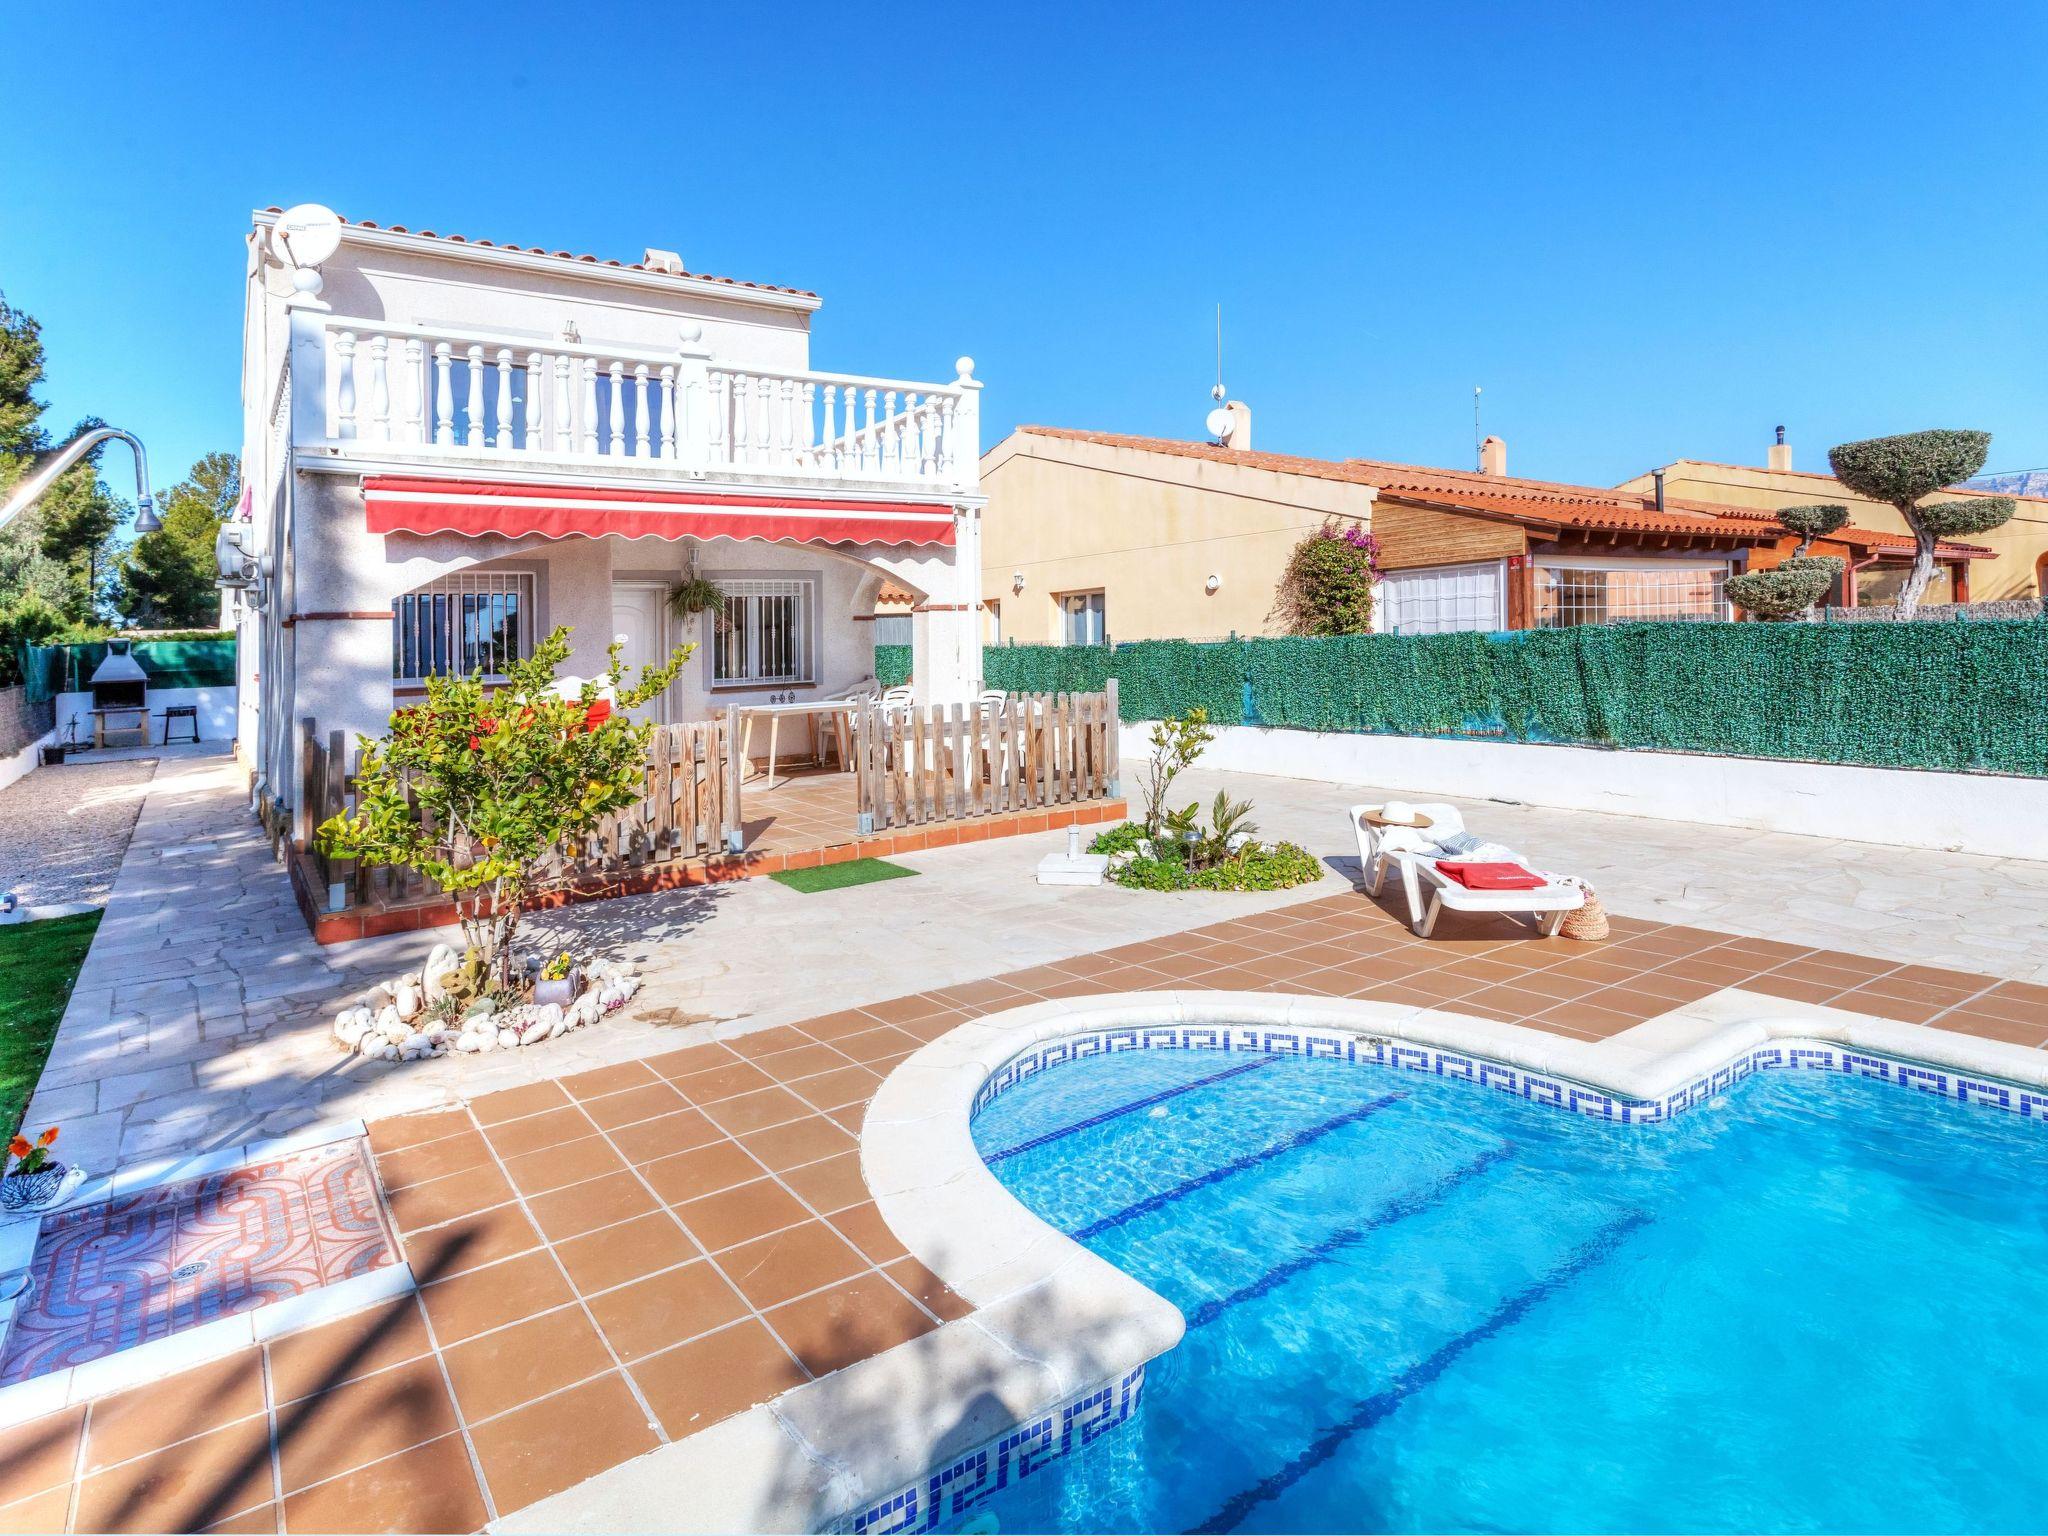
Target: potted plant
560, 982
35, 1177
696, 594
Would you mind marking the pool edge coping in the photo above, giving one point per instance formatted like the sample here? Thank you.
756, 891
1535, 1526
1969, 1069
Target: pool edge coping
1054, 1321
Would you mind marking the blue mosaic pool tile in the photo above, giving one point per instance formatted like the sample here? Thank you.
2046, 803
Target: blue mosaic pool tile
958, 1487
1537, 1087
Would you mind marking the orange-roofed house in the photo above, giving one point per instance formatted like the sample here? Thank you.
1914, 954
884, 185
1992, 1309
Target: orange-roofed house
1096, 535
452, 446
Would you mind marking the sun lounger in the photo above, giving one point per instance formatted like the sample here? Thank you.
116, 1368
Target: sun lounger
1429, 891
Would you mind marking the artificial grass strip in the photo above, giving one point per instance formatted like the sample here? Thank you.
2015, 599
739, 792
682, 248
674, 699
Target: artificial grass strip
38, 963
837, 877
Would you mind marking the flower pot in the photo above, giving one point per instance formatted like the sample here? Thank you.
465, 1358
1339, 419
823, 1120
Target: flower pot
31, 1191
563, 992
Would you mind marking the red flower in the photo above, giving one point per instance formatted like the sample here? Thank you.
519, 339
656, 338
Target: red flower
47, 1137
18, 1147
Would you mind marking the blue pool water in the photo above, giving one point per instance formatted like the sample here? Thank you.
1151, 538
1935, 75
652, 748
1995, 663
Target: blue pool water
1815, 1303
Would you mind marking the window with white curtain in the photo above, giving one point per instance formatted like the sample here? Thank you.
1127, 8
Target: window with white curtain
765, 633
1081, 618
1602, 591
1443, 598
474, 621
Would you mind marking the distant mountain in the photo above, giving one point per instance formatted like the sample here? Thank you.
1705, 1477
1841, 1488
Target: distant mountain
2026, 482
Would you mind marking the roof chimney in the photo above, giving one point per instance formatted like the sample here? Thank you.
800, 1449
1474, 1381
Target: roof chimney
1659, 476
1493, 457
1237, 430
1781, 452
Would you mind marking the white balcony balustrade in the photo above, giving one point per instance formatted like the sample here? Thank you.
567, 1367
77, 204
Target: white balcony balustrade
429, 393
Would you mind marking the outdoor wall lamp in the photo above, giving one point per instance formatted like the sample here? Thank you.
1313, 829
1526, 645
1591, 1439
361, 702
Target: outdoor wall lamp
31, 490
1017, 582
1212, 584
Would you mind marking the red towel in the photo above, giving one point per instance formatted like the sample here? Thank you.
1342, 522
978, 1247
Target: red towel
1492, 877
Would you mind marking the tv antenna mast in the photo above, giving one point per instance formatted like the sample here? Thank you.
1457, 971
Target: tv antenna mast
1478, 442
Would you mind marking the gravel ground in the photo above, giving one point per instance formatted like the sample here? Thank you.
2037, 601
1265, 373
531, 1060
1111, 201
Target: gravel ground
63, 829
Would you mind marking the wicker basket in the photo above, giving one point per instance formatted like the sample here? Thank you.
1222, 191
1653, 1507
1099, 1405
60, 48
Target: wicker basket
1589, 922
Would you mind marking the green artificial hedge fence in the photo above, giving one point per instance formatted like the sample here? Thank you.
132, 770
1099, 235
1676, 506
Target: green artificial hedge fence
1951, 696
54, 669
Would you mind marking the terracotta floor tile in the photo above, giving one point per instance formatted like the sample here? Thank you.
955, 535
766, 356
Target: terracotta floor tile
928, 1288
851, 1118
1676, 990
799, 1142
158, 1413
782, 1267
1708, 971
326, 1356
37, 1514
535, 1173
1989, 1026
664, 1136
430, 1488
756, 1111
2023, 991
976, 996
763, 1042
691, 1059
546, 1447
614, 1079
445, 1199
464, 1244
536, 1133
703, 1171
1792, 989
184, 1488
483, 1299
515, 1365
1585, 1020
1549, 984
1941, 994
830, 1090
805, 1060
2016, 1007
863, 1226
510, 1103
848, 1021
741, 1213
42, 1453
664, 1309
848, 1323
432, 1159
625, 1252
263, 1518
395, 1131
329, 1433
714, 1084
879, 1044
831, 1185
695, 1385
617, 1110
600, 1202
1864, 965
1905, 1010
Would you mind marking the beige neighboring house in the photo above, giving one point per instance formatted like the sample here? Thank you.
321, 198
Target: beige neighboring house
2017, 566
1092, 536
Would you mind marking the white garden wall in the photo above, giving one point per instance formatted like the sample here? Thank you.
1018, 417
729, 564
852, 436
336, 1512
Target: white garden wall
216, 714
1991, 814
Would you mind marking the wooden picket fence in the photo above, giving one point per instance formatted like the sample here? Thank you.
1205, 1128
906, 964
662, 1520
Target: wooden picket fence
691, 809
945, 762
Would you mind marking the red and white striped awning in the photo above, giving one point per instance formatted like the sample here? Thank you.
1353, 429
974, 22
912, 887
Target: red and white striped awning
403, 504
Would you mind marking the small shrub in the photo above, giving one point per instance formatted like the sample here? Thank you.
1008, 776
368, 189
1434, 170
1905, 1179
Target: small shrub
1176, 742
1327, 586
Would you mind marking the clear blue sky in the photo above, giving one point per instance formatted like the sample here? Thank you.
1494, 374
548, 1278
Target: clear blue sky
1648, 231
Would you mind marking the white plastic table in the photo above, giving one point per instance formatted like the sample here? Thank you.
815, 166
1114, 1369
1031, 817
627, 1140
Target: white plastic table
817, 709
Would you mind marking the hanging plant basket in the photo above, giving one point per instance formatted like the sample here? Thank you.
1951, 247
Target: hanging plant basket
695, 595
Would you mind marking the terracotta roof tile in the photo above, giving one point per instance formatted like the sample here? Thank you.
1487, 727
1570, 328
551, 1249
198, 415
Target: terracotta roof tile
1545, 502
535, 250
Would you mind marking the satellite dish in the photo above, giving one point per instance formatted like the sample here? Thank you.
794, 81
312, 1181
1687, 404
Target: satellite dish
1219, 423
306, 234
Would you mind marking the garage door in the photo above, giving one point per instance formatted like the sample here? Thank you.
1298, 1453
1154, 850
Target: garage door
1446, 597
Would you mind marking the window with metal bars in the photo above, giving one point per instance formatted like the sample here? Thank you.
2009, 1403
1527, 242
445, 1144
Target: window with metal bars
1590, 593
477, 621
764, 635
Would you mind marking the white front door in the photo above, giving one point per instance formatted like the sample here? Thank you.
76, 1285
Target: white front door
640, 624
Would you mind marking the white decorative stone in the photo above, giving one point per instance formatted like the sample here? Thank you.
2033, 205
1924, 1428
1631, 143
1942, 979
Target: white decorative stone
409, 1001
508, 1037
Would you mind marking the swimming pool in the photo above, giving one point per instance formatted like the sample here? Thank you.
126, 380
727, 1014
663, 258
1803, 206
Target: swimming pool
1813, 1302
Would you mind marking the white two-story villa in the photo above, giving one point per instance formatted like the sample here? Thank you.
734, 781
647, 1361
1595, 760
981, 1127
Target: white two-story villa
452, 446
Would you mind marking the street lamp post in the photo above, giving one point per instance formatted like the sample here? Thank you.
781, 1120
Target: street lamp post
31, 490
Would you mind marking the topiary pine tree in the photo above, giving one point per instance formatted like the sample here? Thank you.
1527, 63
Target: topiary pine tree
1801, 580
1902, 471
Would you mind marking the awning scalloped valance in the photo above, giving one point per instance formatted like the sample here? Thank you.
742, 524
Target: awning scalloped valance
406, 504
